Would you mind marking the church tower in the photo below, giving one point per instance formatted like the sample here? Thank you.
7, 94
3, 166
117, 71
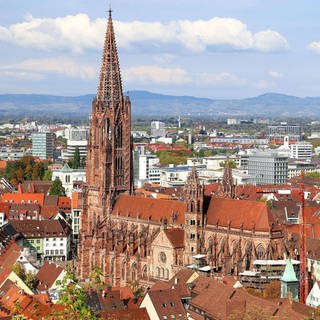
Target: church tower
193, 198
109, 160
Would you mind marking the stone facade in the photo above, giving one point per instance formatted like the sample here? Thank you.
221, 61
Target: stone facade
135, 238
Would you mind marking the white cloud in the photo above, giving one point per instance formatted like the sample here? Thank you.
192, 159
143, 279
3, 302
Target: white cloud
275, 74
222, 78
154, 74
270, 41
22, 75
79, 32
263, 84
160, 75
57, 65
315, 47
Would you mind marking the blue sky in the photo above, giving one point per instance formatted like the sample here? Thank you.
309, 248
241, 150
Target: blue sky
209, 48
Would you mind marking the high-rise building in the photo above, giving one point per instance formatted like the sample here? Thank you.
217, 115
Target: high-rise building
148, 172
158, 129
301, 150
277, 133
42, 145
76, 138
268, 167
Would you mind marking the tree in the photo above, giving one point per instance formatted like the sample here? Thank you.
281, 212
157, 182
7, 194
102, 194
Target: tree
19, 271
31, 280
57, 189
47, 175
232, 164
74, 299
76, 159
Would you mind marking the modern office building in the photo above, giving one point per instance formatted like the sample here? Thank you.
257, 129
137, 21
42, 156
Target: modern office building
42, 145
76, 138
158, 129
148, 172
301, 150
268, 167
277, 133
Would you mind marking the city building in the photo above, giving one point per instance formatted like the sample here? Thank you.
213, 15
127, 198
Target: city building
276, 133
69, 177
76, 138
148, 171
301, 150
157, 129
49, 239
42, 145
268, 167
131, 237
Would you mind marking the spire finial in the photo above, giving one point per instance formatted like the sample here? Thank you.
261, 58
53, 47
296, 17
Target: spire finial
110, 12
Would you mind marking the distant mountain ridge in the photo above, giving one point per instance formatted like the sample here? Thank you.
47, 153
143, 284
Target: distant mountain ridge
148, 104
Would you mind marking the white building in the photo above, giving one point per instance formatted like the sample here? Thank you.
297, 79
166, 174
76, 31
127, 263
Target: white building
301, 150
76, 138
313, 298
148, 171
68, 176
158, 129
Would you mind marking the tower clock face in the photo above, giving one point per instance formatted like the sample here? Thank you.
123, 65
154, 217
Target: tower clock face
163, 257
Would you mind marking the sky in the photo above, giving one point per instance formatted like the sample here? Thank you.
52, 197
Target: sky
205, 48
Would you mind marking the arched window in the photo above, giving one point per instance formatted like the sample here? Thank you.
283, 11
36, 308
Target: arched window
162, 273
260, 252
134, 271
158, 272
145, 272
123, 270
166, 274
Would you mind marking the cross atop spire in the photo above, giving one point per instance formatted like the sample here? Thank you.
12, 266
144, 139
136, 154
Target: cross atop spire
110, 88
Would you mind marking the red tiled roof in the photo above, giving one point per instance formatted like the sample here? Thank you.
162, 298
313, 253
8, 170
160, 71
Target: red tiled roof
10, 255
24, 197
145, 208
64, 202
176, 237
4, 207
47, 275
239, 214
125, 292
135, 314
167, 303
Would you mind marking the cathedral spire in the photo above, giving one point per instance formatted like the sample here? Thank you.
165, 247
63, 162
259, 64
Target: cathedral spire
228, 187
110, 88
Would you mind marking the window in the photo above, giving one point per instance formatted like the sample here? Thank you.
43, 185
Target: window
38, 240
51, 251
61, 251
38, 248
56, 251
47, 251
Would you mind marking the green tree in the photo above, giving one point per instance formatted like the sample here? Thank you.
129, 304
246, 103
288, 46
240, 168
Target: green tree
18, 269
47, 175
74, 298
76, 159
31, 280
57, 189
232, 164
83, 162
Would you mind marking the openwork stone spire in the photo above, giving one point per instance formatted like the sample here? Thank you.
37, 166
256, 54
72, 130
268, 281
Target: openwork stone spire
228, 187
110, 88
